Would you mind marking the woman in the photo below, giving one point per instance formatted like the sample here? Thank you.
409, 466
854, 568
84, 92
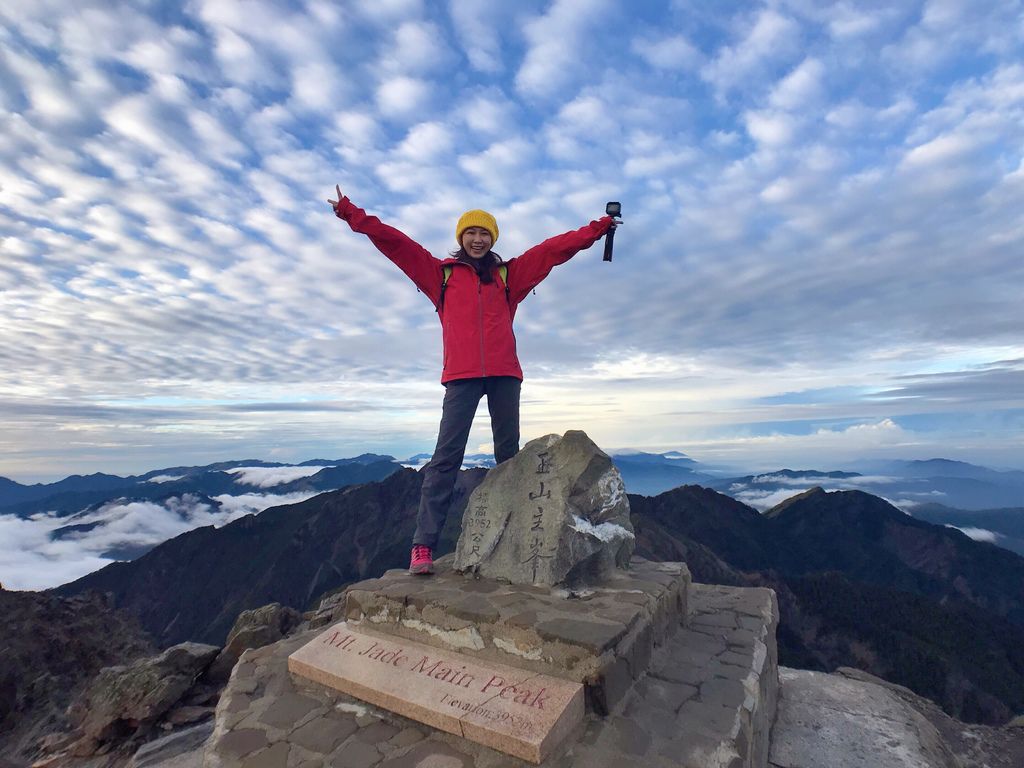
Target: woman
475, 295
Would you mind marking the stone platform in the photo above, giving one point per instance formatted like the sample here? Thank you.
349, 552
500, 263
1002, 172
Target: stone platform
602, 637
707, 701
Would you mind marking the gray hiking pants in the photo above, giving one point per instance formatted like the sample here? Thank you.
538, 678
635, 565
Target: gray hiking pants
461, 399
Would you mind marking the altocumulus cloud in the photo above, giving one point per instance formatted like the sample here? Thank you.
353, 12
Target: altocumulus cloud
816, 197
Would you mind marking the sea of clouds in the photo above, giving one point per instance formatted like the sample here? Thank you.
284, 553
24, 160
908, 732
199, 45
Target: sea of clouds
36, 555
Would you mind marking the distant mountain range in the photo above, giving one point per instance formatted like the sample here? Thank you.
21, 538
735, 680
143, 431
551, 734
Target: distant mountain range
1003, 527
986, 504
100, 518
908, 484
77, 492
652, 473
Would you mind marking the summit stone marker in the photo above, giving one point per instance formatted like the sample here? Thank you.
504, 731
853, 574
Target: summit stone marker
556, 514
521, 713
540, 615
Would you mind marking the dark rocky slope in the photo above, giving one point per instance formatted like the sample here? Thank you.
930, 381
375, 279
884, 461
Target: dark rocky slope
50, 647
193, 586
869, 540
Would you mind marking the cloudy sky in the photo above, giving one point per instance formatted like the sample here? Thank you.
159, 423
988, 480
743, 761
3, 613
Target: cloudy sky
820, 261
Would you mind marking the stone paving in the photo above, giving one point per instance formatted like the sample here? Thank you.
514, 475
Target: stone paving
707, 701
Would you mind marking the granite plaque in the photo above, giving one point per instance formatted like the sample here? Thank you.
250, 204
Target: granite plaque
520, 713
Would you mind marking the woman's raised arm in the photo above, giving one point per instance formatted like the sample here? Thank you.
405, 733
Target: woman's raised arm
524, 272
411, 257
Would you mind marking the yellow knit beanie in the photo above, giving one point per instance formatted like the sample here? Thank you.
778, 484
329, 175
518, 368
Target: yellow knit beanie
476, 218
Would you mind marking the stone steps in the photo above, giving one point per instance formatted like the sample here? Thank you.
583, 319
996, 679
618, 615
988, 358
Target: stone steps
709, 697
601, 637
707, 700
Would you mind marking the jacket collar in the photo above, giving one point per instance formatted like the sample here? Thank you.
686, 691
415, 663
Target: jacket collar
455, 260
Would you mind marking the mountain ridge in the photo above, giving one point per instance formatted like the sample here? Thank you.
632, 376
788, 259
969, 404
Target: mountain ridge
206, 481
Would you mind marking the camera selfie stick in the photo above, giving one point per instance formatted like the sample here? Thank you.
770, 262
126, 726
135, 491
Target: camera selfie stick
613, 210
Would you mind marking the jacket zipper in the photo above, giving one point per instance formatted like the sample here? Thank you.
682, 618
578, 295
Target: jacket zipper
480, 316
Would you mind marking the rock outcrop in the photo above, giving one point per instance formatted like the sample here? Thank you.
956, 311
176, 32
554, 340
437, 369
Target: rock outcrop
829, 720
970, 743
125, 701
556, 513
253, 629
49, 648
126, 705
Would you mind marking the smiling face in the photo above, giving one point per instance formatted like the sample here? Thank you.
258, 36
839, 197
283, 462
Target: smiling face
476, 241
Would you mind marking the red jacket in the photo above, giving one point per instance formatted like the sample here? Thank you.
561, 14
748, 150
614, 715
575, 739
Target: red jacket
476, 317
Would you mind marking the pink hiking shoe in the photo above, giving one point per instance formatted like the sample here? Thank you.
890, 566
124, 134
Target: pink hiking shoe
422, 562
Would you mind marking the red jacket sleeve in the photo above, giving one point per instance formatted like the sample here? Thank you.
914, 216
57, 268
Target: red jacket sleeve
410, 257
524, 272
